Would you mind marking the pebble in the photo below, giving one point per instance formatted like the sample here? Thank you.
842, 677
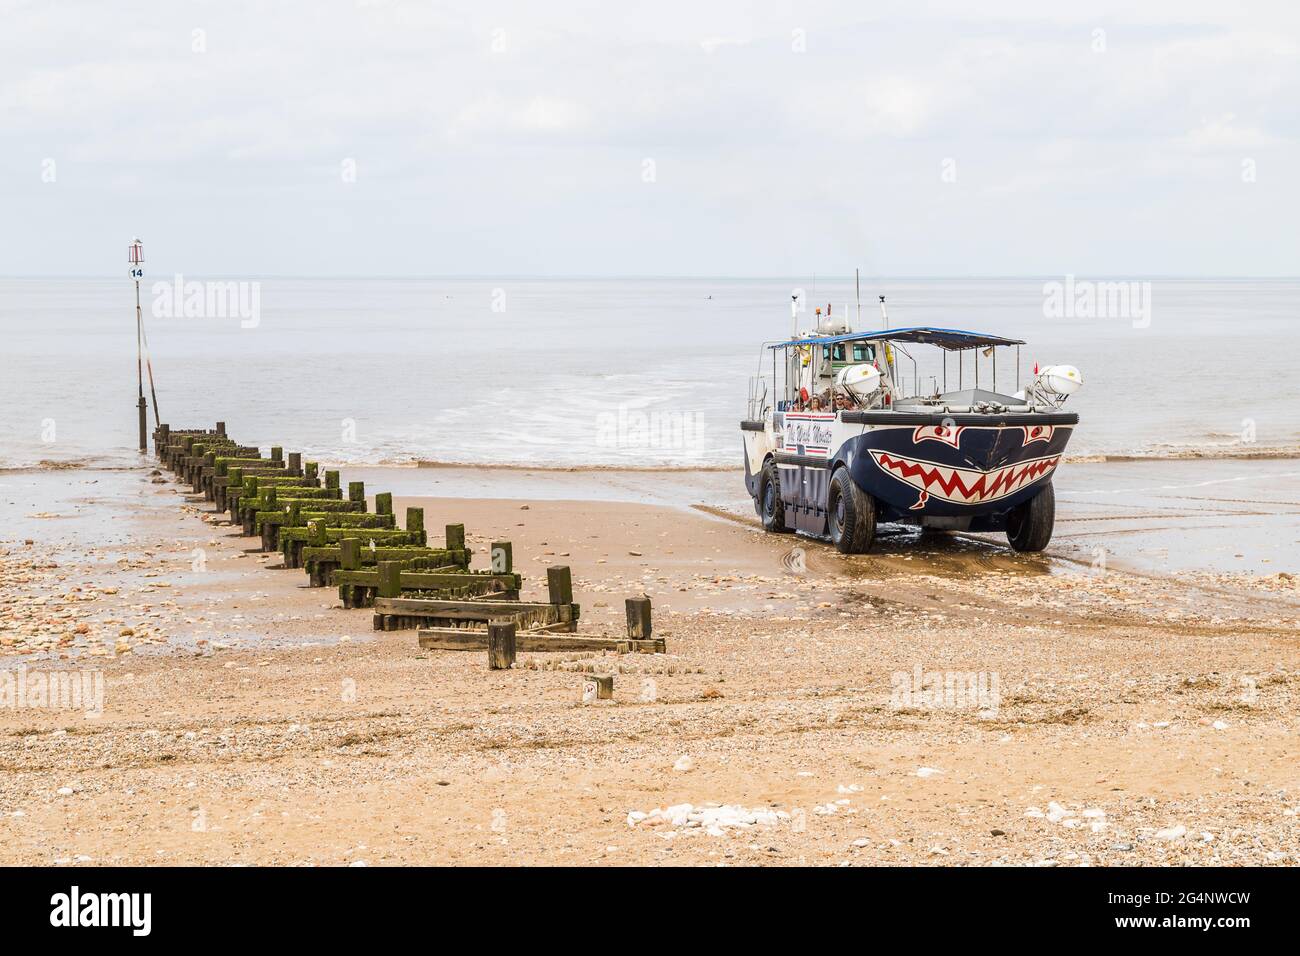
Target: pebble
1172, 833
684, 764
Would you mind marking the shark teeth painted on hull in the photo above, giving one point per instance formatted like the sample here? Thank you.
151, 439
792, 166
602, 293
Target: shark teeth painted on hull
963, 486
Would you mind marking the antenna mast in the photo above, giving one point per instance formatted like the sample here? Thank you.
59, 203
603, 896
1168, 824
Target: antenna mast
857, 293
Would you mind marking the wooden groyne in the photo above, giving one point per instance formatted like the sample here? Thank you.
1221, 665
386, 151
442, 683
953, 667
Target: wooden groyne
292, 507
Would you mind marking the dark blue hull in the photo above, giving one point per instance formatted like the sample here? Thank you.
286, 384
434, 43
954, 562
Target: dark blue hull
954, 471
963, 471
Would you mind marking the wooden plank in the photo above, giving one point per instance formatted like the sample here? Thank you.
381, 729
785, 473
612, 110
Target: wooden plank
465, 639
484, 606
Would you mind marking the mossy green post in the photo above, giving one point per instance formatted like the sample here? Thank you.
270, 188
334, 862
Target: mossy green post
390, 579
455, 537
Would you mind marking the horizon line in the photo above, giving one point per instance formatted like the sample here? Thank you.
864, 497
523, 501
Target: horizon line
830, 277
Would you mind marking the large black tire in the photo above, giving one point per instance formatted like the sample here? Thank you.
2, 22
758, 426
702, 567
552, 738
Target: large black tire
771, 509
1029, 524
852, 514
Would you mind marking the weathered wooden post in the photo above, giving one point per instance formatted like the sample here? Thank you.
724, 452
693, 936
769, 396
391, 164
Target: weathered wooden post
455, 534
310, 470
384, 503
350, 560
415, 521
277, 453
559, 584
295, 462
357, 491
331, 479
638, 618
221, 429
390, 579
316, 533
501, 645
502, 557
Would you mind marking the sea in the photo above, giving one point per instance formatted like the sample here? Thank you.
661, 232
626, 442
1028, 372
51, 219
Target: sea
578, 373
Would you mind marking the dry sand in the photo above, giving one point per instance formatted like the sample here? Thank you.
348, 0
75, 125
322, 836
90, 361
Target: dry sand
1141, 716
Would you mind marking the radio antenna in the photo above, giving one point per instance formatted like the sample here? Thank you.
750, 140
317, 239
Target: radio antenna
857, 292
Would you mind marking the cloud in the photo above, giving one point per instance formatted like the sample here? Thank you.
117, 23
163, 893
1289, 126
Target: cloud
769, 154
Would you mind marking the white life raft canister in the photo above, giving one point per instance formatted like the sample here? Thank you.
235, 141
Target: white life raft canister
861, 381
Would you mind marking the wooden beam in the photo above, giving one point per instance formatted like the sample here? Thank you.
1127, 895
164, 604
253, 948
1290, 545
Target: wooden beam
474, 639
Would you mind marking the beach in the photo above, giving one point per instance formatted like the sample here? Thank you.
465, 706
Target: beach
1126, 698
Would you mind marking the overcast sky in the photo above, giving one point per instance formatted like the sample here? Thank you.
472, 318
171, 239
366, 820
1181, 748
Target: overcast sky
602, 138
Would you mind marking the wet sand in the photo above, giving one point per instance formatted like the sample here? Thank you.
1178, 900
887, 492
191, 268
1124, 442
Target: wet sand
1145, 708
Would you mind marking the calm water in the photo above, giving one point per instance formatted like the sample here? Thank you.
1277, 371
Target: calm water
646, 372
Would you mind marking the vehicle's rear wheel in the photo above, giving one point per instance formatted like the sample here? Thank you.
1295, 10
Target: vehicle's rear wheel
771, 509
852, 514
1029, 525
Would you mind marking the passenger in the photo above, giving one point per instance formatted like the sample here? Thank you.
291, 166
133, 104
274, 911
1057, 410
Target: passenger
816, 404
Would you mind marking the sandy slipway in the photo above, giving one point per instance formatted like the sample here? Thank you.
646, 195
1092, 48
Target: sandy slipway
1138, 717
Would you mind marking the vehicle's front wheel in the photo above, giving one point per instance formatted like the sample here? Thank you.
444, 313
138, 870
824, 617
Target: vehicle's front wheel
1029, 525
771, 509
852, 514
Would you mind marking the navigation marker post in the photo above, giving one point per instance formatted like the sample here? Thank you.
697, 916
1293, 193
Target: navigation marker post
135, 257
